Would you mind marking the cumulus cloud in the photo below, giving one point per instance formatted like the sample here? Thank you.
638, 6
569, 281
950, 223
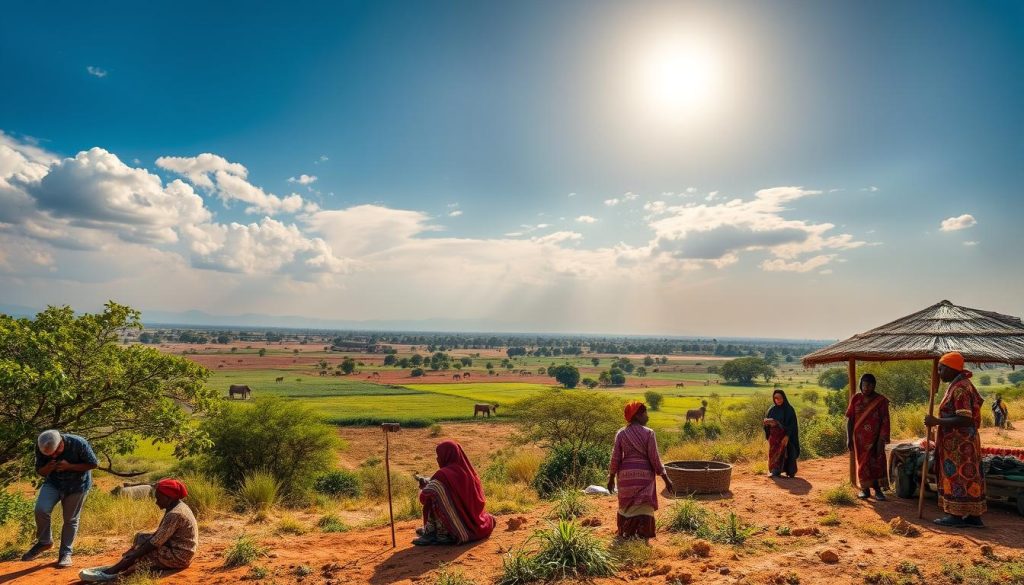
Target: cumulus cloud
961, 222
611, 202
96, 71
228, 181
970, 243
455, 213
780, 265
303, 179
199, 169
629, 196
586, 219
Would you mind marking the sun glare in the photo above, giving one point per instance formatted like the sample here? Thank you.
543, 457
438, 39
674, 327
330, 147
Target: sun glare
680, 78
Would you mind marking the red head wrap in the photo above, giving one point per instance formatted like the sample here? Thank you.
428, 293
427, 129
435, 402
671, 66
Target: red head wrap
171, 488
633, 407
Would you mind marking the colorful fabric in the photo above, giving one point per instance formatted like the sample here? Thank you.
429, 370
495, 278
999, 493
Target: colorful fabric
171, 488
958, 451
788, 451
953, 360
635, 463
456, 495
175, 539
870, 416
641, 526
632, 407
778, 449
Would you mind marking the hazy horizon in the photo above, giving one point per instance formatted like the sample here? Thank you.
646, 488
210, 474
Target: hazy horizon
758, 170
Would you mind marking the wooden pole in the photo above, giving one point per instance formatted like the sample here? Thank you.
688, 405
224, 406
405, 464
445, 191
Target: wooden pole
927, 438
852, 372
387, 472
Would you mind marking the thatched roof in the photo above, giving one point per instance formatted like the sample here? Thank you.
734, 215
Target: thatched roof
981, 336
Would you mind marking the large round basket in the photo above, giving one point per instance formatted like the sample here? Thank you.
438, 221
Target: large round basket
699, 477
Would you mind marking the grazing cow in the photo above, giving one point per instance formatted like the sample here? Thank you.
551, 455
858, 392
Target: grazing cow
457, 378
279, 379
323, 372
376, 375
697, 414
680, 385
134, 491
466, 375
244, 391
487, 409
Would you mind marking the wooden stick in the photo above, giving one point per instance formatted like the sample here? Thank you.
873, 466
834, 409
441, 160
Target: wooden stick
852, 372
387, 472
927, 438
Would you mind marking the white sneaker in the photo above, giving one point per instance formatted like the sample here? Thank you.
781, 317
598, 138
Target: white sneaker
96, 575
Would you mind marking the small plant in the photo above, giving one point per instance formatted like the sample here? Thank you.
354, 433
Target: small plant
876, 529
687, 515
339, 483
141, 576
243, 552
303, 571
435, 430
570, 504
732, 530
783, 530
518, 567
907, 568
568, 550
331, 523
632, 553
257, 572
840, 495
259, 491
290, 525
449, 576
830, 519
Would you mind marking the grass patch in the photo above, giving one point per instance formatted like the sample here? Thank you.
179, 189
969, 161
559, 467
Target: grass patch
331, 523
509, 498
140, 576
206, 496
446, 575
104, 513
570, 504
259, 491
875, 529
522, 467
840, 495
687, 515
291, 526
243, 552
632, 553
830, 519
565, 551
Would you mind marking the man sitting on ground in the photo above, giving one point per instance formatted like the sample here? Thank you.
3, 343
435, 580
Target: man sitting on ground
172, 546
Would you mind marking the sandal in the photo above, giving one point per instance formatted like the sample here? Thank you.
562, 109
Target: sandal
864, 494
951, 521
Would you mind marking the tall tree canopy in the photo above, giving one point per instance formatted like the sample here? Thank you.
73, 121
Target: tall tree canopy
744, 370
71, 373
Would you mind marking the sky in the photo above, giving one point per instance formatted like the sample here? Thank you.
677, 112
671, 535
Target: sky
768, 169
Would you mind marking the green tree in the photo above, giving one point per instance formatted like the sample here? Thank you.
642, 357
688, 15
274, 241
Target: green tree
906, 382
1015, 377
348, 365
616, 377
416, 372
262, 351
576, 418
743, 370
648, 361
466, 362
223, 339
834, 379
567, 375
71, 373
641, 371
390, 359
604, 378
416, 359
595, 361
653, 399
323, 365
836, 401
283, 437
985, 380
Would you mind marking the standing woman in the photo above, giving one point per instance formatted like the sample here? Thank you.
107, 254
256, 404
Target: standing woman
783, 434
635, 462
958, 446
867, 433
999, 412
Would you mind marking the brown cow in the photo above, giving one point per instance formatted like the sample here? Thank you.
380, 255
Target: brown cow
279, 379
457, 378
697, 414
241, 389
680, 385
487, 409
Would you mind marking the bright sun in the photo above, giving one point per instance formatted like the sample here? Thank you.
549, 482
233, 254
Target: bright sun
680, 78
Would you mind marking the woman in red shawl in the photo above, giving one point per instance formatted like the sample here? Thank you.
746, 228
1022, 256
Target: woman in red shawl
958, 447
635, 463
867, 433
453, 501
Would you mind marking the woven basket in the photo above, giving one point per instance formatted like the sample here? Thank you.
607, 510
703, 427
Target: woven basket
699, 477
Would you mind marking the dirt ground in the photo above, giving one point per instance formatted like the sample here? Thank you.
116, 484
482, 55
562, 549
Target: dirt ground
861, 543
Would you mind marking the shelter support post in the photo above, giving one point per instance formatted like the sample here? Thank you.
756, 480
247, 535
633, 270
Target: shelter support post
852, 390
928, 438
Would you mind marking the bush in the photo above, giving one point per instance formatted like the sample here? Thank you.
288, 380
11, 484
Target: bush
834, 379
985, 380
435, 430
17, 524
687, 515
824, 436
577, 418
205, 495
281, 437
339, 482
836, 401
706, 431
570, 551
810, 395
291, 525
566, 466
374, 483
416, 372
840, 495
570, 504
259, 491
243, 552
653, 399
744, 420
522, 467
331, 523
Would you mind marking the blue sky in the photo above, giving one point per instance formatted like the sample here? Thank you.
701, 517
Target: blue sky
518, 163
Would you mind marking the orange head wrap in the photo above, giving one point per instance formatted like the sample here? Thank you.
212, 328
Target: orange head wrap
633, 407
171, 488
953, 360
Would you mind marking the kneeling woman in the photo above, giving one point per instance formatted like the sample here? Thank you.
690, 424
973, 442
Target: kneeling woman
453, 501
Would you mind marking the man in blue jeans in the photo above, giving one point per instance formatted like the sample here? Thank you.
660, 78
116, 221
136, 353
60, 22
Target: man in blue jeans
66, 461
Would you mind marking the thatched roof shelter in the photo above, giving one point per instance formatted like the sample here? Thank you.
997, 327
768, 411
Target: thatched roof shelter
981, 336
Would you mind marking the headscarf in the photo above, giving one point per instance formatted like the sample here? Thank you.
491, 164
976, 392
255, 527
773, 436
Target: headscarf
171, 488
953, 360
632, 408
463, 484
786, 416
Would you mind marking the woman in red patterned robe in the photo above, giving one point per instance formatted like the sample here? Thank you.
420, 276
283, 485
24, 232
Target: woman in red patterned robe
635, 463
867, 433
958, 447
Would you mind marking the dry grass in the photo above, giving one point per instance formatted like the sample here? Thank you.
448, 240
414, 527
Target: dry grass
291, 525
875, 529
522, 467
840, 495
509, 498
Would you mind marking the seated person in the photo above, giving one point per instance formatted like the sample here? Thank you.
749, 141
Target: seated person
173, 544
453, 501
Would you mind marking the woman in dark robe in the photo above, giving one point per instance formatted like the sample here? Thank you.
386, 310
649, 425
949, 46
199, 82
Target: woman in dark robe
453, 501
783, 434
867, 433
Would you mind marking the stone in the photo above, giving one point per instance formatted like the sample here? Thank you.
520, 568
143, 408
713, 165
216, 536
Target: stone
723, 570
811, 531
828, 556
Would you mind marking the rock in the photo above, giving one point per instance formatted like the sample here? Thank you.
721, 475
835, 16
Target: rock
828, 556
679, 577
987, 550
862, 566
513, 524
900, 526
869, 551
723, 570
661, 570
700, 548
591, 522
811, 531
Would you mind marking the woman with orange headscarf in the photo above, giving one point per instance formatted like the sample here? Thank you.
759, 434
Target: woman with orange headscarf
635, 463
958, 446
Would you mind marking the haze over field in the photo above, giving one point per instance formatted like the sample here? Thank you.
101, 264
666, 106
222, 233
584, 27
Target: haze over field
771, 170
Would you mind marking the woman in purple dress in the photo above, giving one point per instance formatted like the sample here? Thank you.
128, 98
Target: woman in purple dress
635, 464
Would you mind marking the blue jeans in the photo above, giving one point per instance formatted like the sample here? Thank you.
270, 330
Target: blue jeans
71, 505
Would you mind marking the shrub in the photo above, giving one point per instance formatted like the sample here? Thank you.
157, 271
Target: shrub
339, 482
985, 380
840, 495
205, 495
435, 430
291, 525
687, 515
810, 395
577, 418
566, 466
374, 483
243, 552
258, 492
825, 436
570, 504
416, 372
744, 420
284, 438
522, 467
570, 551
331, 523
653, 399
708, 431
17, 524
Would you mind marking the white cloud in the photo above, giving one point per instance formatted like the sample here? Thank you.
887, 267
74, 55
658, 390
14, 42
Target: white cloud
970, 243
228, 181
960, 222
870, 189
780, 265
572, 194
586, 219
711, 196
303, 179
323, 158
629, 196
198, 169
611, 202
455, 213
691, 190
655, 207
96, 71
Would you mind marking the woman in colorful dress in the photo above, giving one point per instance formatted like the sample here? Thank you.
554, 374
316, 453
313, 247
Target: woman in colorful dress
453, 501
958, 446
783, 434
635, 464
867, 433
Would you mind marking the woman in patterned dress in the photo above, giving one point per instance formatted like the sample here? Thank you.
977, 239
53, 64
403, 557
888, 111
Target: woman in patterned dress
958, 447
867, 433
783, 433
635, 464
